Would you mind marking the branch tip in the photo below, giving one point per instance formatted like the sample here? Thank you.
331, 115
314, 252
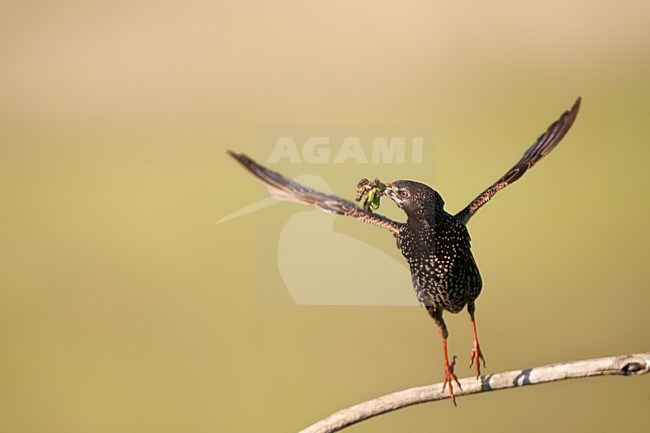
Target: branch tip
625, 365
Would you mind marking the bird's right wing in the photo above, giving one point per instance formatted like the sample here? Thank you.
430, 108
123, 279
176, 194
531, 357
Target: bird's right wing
542, 147
286, 189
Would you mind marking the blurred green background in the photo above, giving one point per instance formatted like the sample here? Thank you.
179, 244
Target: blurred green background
124, 308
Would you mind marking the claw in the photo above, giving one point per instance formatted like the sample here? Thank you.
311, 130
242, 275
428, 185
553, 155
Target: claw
449, 376
477, 356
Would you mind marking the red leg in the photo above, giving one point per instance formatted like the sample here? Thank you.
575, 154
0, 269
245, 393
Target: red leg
436, 314
449, 372
476, 355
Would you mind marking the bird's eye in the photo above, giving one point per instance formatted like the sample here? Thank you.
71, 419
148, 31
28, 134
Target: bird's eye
402, 193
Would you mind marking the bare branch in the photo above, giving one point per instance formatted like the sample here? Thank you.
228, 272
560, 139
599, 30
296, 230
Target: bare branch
625, 365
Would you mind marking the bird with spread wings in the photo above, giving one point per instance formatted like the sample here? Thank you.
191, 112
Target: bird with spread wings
435, 243
286, 189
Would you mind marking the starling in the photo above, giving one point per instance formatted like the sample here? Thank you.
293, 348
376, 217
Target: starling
435, 243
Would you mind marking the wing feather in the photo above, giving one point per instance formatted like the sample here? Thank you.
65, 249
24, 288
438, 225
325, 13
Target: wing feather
542, 147
286, 189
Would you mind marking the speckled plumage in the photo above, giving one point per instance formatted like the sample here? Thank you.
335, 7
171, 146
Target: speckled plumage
436, 244
437, 248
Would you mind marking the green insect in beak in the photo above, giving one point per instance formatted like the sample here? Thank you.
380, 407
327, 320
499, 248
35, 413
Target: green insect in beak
371, 192
375, 194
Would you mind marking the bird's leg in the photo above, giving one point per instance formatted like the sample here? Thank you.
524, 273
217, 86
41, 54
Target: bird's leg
436, 314
476, 355
449, 372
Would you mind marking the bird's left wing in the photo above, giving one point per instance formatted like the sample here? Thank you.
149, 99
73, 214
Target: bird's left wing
286, 189
542, 147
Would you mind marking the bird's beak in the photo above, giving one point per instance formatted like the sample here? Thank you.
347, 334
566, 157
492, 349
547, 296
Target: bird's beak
390, 191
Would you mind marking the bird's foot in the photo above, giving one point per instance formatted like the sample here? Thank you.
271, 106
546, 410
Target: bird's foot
477, 356
449, 376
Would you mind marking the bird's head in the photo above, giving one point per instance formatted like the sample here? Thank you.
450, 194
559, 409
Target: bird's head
415, 199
